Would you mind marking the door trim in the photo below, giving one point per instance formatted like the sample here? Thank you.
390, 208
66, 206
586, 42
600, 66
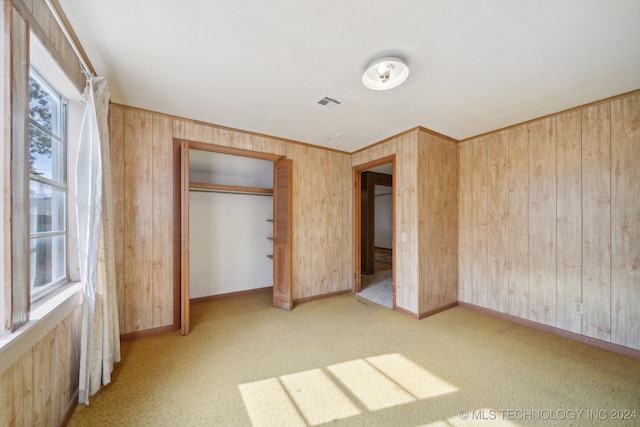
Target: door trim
357, 224
181, 220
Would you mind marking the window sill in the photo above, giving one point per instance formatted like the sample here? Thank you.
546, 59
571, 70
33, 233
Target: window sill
45, 315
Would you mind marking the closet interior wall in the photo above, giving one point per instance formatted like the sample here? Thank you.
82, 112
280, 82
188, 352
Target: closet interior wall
230, 230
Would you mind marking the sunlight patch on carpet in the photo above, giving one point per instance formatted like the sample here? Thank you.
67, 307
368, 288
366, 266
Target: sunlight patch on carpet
421, 383
268, 404
318, 396
374, 389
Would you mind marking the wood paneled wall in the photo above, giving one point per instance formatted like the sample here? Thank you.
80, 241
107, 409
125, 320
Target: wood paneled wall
41, 387
142, 144
425, 183
549, 217
438, 164
405, 181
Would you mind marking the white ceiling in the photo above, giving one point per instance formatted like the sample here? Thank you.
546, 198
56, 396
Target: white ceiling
476, 66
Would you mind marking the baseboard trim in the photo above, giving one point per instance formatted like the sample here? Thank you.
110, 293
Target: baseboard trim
321, 296
146, 333
230, 294
424, 314
71, 407
616, 348
438, 310
406, 312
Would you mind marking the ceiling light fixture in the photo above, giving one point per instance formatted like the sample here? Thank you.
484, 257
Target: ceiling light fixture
385, 73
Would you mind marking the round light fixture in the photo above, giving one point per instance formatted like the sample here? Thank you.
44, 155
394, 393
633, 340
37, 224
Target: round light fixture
385, 73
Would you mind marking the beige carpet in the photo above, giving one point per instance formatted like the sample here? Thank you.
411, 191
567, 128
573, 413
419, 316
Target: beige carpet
346, 362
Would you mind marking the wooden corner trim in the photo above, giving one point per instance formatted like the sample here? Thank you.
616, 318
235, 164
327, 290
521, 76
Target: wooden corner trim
406, 312
616, 348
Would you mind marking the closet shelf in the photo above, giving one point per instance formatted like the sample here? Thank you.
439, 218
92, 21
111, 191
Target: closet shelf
269, 220
229, 188
269, 238
270, 256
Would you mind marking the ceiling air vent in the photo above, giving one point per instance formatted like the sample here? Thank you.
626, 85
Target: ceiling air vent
328, 104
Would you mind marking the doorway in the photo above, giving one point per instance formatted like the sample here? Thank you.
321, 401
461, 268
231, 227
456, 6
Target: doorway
280, 222
374, 231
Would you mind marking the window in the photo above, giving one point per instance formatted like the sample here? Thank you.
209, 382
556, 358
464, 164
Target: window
47, 187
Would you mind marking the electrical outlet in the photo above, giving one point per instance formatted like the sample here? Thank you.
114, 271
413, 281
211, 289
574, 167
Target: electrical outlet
579, 307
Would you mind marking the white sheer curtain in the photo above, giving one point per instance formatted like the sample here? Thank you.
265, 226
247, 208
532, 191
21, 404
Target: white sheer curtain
100, 339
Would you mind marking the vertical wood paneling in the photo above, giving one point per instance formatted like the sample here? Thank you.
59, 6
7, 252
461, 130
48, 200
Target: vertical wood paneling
569, 220
7, 397
138, 265
438, 222
596, 220
59, 365
479, 290
321, 190
465, 239
16, 398
116, 140
574, 220
37, 389
625, 221
321, 211
42, 380
162, 221
498, 220
302, 225
518, 265
23, 383
542, 221
407, 278
404, 147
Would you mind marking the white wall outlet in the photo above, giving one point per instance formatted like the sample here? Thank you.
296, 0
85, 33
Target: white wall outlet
579, 307
403, 236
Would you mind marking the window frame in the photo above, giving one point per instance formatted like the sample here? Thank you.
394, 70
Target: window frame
59, 122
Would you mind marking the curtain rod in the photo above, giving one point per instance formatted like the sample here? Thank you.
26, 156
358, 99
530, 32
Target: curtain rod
242, 193
85, 68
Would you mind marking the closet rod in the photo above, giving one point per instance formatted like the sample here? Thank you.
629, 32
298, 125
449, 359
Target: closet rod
245, 193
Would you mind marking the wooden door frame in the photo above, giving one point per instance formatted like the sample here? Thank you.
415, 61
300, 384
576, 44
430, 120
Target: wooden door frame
357, 224
369, 181
181, 219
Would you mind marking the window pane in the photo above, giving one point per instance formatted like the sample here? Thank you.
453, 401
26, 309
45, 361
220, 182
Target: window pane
47, 187
47, 208
46, 155
44, 107
47, 260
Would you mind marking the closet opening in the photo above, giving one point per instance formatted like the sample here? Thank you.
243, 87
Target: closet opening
235, 224
374, 237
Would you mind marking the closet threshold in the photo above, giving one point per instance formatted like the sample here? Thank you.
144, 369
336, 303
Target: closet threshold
233, 189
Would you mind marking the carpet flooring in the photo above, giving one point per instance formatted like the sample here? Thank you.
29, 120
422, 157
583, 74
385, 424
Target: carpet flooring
344, 361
